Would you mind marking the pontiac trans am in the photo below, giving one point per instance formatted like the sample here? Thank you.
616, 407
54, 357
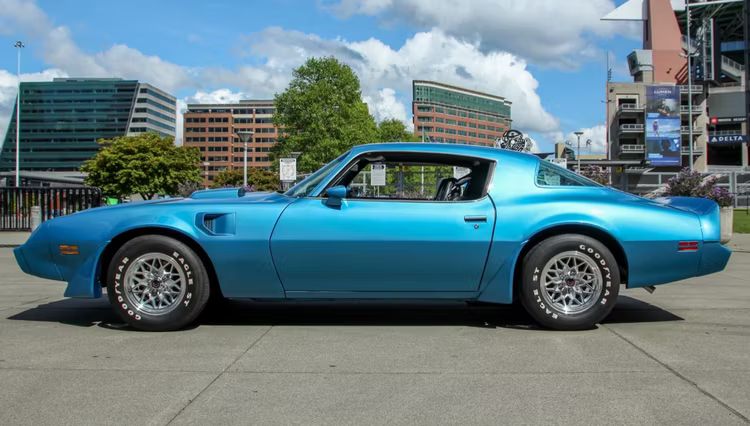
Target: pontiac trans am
507, 227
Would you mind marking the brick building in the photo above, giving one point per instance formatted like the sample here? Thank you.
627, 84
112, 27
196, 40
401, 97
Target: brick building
212, 129
444, 113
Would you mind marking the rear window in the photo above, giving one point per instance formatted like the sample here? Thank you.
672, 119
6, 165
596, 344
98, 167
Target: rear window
550, 174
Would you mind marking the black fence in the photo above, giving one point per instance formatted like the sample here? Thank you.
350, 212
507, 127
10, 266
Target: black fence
16, 204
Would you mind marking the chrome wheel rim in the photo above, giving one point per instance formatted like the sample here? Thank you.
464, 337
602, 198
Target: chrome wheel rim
154, 284
571, 282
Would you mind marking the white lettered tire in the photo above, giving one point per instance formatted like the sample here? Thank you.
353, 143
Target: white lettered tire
157, 283
569, 282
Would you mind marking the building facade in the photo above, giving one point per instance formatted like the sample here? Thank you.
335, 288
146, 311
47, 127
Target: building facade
712, 115
62, 120
444, 113
212, 129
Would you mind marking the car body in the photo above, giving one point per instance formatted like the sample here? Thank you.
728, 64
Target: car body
320, 243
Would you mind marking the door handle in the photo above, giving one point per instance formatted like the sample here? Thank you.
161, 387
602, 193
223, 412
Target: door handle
475, 218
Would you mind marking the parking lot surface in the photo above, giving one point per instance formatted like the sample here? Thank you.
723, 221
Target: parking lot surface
680, 355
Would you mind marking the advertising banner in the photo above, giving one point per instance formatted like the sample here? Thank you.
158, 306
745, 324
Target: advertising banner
663, 125
727, 139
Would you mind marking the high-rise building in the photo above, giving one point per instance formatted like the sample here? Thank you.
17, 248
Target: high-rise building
444, 113
709, 117
62, 120
212, 129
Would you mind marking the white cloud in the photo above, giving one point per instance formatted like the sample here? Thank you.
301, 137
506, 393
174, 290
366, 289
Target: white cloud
219, 96
431, 55
548, 32
597, 134
384, 105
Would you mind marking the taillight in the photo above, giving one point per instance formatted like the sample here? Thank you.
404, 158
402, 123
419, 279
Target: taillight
687, 246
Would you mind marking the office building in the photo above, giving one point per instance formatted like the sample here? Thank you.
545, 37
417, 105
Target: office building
62, 120
658, 124
212, 129
444, 113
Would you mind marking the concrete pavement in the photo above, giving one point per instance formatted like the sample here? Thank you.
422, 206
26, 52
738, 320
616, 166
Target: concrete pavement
680, 355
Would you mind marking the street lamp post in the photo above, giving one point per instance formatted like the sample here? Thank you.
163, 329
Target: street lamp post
245, 136
690, 87
578, 156
19, 45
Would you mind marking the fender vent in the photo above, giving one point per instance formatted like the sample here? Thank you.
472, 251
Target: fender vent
216, 223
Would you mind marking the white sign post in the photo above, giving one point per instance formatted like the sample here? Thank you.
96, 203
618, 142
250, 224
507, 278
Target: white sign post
288, 169
377, 176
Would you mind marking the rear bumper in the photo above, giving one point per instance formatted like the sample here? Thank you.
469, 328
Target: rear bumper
714, 258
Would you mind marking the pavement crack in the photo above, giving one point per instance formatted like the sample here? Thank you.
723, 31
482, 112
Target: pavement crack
219, 375
680, 375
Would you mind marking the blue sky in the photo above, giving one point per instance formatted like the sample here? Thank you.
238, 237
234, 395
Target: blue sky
547, 56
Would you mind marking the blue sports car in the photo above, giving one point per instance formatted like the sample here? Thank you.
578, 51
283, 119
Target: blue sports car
386, 221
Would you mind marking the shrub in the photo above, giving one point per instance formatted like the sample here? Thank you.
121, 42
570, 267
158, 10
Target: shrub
689, 183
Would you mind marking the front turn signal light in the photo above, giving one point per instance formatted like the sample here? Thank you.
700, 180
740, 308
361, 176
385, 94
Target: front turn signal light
67, 250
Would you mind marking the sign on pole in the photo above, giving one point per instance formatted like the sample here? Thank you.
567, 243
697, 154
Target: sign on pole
377, 176
459, 172
288, 169
562, 162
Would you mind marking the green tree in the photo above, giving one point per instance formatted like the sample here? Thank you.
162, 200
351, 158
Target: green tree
146, 164
262, 180
394, 130
322, 114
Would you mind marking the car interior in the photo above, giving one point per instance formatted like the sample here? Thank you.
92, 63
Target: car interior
416, 176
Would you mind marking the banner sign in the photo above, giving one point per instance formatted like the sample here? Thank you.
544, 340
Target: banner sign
377, 176
288, 169
727, 139
663, 125
562, 162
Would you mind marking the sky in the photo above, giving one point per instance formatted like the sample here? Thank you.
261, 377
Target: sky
547, 56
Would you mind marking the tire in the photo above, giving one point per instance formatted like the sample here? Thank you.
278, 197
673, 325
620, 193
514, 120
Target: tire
156, 283
569, 282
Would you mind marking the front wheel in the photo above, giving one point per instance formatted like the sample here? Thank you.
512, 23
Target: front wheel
569, 282
157, 283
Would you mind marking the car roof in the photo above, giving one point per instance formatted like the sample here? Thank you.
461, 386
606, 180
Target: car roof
446, 148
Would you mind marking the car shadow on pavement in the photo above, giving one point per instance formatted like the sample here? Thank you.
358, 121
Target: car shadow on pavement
87, 313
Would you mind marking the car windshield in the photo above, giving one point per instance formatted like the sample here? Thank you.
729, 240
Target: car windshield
309, 183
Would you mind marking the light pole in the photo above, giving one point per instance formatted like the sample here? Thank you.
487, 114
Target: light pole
690, 87
245, 136
578, 155
19, 45
205, 173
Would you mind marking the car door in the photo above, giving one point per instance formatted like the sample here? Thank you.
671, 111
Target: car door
383, 245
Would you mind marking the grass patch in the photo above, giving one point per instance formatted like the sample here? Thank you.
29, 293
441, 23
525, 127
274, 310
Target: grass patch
742, 221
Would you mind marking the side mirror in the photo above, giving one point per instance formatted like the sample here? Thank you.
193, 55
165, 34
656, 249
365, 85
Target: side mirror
335, 195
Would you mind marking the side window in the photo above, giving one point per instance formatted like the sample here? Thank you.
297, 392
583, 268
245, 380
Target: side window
411, 176
400, 180
553, 175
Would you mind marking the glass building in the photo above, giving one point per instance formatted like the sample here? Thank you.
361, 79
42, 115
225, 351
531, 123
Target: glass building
444, 113
62, 120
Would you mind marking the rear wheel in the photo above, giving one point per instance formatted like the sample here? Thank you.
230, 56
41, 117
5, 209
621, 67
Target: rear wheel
570, 282
157, 283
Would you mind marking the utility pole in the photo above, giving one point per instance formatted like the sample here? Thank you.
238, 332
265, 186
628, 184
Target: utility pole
245, 136
19, 45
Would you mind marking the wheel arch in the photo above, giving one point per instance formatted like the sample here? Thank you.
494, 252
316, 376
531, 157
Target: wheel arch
592, 231
109, 251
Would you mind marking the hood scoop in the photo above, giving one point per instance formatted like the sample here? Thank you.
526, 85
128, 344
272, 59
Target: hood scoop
222, 193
